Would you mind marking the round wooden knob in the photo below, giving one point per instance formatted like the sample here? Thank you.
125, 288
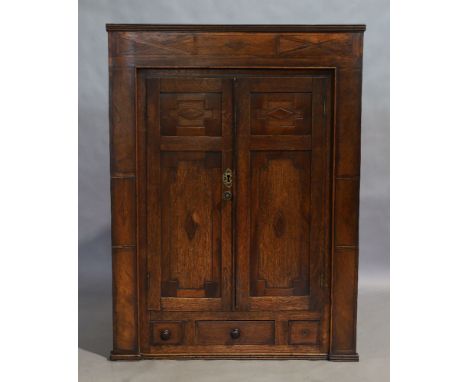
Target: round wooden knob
227, 195
235, 333
165, 334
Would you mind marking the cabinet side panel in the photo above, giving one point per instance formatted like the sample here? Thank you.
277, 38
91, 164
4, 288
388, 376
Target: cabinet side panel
122, 122
348, 118
124, 299
124, 264
344, 302
346, 208
346, 212
123, 207
123, 211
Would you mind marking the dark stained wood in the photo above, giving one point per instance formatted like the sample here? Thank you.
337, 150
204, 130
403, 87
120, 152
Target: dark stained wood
190, 107
304, 332
279, 208
280, 142
189, 144
348, 132
344, 297
122, 131
277, 205
122, 136
237, 27
124, 275
167, 332
191, 223
280, 113
235, 332
347, 208
150, 143
187, 263
123, 211
261, 315
277, 258
225, 353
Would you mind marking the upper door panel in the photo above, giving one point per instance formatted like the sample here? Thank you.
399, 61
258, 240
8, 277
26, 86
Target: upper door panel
280, 113
191, 107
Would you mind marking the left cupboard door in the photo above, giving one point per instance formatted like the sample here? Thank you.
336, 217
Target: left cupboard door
185, 209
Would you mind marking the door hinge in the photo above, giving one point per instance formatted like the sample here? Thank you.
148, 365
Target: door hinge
324, 106
148, 280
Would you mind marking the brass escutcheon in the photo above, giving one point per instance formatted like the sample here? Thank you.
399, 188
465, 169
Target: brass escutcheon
227, 178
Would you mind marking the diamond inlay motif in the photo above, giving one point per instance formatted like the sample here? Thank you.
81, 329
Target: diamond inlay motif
191, 113
280, 113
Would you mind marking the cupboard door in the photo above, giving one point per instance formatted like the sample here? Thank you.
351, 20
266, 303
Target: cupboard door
283, 189
189, 147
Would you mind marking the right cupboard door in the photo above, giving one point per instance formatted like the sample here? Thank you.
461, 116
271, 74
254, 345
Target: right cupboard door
282, 193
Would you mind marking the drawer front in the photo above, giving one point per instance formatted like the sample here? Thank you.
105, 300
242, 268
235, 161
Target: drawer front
167, 332
304, 332
235, 332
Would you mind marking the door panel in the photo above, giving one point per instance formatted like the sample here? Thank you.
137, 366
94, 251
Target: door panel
191, 224
283, 137
279, 216
189, 228
191, 107
280, 186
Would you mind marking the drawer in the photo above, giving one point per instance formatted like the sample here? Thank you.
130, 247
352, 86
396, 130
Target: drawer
304, 332
167, 332
235, 332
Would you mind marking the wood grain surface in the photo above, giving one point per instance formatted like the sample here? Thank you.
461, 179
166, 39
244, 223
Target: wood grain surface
263, 265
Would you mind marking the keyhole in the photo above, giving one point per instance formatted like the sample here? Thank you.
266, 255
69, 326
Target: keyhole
227, 178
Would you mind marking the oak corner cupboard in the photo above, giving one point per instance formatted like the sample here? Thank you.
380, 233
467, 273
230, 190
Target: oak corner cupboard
235, 160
